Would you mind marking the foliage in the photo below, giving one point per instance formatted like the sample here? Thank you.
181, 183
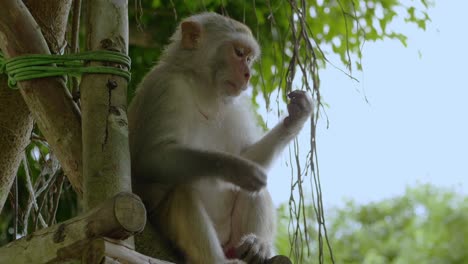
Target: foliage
40, 182
425, 225
338, 27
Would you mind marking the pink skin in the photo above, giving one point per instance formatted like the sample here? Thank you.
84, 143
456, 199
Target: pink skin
240, 62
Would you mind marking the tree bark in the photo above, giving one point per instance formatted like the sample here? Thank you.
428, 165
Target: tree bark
16, 124
106, 156
118, 218
52, 18
47, 98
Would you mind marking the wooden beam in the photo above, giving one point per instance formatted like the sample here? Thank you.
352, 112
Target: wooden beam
103, 250
117, 218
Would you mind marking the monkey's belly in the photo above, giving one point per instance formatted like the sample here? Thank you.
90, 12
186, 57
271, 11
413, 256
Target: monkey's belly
218, 198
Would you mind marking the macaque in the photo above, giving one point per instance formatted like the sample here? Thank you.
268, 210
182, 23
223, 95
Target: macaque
199, 160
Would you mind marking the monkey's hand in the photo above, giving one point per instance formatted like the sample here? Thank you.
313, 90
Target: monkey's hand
299, 109
246, 174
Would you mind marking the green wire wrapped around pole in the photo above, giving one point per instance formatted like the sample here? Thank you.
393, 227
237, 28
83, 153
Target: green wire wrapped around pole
33, 66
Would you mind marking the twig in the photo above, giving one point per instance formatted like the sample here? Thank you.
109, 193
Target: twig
32, 198
15, 207
58, 193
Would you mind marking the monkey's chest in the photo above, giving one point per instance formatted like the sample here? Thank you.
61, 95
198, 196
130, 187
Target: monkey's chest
216, 136
217, 196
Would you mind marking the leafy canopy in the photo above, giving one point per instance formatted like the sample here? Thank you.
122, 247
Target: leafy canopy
427, 224
339, 27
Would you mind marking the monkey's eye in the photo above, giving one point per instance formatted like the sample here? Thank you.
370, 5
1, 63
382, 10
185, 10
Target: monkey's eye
249, 59
239, 52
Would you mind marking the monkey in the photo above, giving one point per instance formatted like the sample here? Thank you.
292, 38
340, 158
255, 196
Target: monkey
199, 158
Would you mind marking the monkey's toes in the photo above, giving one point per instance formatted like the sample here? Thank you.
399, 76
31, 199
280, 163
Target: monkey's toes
253, 250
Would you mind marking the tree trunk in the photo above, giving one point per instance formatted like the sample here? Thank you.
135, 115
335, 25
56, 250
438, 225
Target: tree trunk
16, 124
48, 98
106, 156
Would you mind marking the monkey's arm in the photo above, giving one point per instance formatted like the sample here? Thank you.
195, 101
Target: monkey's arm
176, 164
272, 144
264, 151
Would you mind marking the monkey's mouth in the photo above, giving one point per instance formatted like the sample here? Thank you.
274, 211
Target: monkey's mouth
235, 88
231, 84
232, 87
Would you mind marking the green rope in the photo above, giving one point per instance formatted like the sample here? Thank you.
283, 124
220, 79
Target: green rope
33, 66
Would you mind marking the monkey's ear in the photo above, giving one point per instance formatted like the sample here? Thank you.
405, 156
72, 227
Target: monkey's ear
191, 33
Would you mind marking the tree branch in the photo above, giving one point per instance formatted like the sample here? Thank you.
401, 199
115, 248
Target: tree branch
16, 123
47, 98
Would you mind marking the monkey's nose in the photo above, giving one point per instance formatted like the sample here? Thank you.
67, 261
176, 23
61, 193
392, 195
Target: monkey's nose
247, 75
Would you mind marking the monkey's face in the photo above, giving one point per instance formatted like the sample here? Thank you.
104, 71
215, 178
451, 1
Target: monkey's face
222, 51
232, 73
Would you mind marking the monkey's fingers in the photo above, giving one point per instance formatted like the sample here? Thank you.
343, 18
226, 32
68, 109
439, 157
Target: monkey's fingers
251, 178
256, 182
296, 93
303, 101
301, 98
294, 109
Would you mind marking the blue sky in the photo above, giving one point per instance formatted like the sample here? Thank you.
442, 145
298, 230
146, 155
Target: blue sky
415, 126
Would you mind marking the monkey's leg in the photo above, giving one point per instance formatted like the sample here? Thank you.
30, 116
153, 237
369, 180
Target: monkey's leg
253, 227
185, 222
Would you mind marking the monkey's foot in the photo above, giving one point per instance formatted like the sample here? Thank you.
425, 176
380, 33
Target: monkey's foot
251, 249
280, 259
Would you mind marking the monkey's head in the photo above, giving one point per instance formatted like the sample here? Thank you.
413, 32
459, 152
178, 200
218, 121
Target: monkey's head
218, 50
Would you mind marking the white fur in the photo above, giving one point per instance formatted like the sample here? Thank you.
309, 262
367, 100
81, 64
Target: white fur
180, 110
